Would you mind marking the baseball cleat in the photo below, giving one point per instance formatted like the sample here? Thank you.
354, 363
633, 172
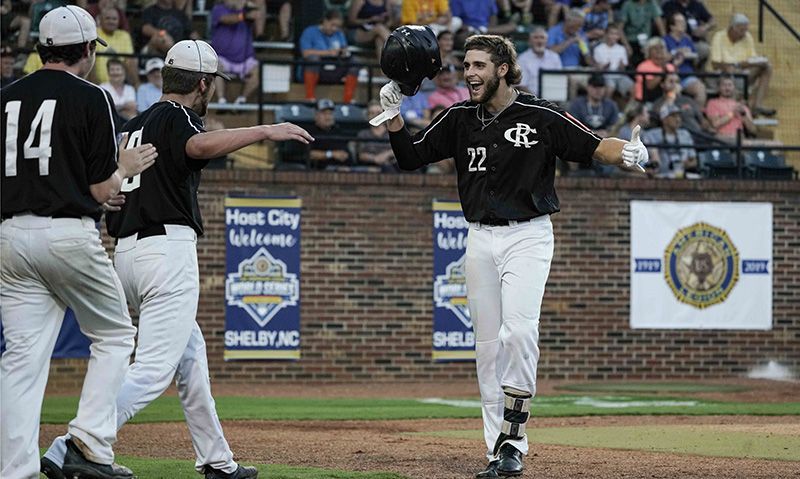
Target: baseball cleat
50, 469
76, 466
489, 472
241, 472
510, 462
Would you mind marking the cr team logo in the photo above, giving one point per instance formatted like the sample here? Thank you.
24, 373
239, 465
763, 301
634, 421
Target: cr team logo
262, 287
519, 135
701, 265
450, 291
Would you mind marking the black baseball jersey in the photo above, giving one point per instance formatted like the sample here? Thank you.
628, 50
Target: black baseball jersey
58, 138
165, 193
506, 169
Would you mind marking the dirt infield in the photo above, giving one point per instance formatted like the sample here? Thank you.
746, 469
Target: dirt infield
394, 446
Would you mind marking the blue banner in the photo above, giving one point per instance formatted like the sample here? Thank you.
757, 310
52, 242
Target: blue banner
453, 338
262, 281
71, 343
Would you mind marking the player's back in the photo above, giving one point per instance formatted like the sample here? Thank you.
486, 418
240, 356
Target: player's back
58, 138
167, 192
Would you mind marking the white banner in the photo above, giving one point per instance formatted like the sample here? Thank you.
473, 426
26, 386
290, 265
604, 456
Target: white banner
701, 265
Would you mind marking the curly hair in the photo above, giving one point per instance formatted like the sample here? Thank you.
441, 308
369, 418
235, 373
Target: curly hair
501, 50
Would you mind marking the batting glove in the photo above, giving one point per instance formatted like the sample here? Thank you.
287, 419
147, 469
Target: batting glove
634, 153
391, 98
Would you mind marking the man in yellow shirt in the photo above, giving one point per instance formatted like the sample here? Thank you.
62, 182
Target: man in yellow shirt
433, 13
119, 41
733, 51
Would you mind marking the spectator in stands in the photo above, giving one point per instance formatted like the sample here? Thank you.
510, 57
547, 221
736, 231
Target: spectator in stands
727, 114
684, 55
149, 92
163, 19
733, 51
480, 16
537, 57
568, 40
123, 94
674, 161
610, 55
371, 20
598, 17
119, 41
14, 23
415, 110
555, 10
638, 18
327, 152
699, 22
95, 9
232, 38
636, 113
691, 112
158, 46
594, 109
7, 74
327, 42
446, 40
446, 166
284, 9
433, 13
374, 155
447, 91
516, 11
648, 87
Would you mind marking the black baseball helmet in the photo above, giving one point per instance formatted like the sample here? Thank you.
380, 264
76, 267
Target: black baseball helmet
411, 53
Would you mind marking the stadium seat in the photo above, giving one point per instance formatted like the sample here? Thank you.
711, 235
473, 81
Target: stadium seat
717, 164
764, 164
350, 118
296, 113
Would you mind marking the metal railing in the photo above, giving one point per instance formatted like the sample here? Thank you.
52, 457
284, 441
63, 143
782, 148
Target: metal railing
762, 4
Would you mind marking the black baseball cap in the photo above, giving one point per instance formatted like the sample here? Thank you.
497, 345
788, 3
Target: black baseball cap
325, 104
597, 80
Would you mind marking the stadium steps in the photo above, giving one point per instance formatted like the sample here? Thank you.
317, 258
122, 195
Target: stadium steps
783, 50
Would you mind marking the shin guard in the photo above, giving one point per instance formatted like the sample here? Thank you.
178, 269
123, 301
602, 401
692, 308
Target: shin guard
515, 416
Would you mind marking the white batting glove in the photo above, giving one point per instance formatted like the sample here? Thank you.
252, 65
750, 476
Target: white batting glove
391, 98
634, 153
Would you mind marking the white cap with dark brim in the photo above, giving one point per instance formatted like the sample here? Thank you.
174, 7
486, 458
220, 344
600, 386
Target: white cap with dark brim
68, 25
194, 56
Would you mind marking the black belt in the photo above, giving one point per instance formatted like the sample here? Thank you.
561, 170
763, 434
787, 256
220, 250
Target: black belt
501, 221
154, 230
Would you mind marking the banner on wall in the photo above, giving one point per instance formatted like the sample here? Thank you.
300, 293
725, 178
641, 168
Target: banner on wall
71, 343
701, 265
262, 280
453, 338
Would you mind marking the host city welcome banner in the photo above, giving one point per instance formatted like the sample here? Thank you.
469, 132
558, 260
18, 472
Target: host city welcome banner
701, 265
453, 339
262, 281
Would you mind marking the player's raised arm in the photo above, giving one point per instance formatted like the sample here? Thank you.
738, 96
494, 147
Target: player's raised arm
213, 144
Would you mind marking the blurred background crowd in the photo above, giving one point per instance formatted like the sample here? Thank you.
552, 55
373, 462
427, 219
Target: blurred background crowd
695, 81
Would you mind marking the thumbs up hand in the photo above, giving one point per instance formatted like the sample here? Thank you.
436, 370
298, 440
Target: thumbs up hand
634, 153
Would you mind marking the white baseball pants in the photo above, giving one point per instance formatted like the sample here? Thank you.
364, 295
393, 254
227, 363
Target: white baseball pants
47, 265
506, 269
161, 280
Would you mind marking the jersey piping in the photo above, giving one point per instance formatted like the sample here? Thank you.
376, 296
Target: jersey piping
569, 118
442, 118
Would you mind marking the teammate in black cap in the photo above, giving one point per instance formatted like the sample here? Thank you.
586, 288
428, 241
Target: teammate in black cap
59, 165
156, 254
505, 145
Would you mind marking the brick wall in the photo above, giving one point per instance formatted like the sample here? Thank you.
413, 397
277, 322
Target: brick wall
366, 282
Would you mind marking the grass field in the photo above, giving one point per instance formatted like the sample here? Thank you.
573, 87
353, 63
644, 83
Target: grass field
59, 410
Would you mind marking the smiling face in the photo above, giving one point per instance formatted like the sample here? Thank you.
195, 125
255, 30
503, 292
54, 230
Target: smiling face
109, 20
481, 75
116, 73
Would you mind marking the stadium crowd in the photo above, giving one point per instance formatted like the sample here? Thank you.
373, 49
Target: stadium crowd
670, 66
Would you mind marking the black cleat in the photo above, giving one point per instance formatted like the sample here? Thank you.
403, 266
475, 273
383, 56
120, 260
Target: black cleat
510, 462
50, 469
76, 466
489, 472
241, 472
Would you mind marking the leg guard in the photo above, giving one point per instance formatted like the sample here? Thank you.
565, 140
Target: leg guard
515, 416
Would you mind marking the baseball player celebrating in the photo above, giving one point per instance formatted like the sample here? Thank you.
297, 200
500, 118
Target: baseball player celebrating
59, 164
505, 145
156, 255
